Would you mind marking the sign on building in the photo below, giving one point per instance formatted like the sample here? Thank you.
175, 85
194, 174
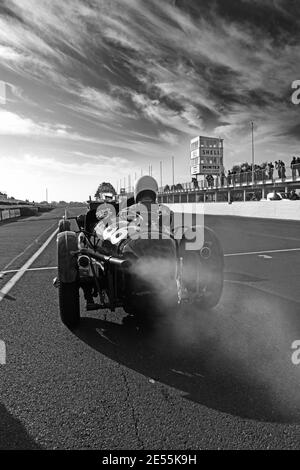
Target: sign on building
206, 156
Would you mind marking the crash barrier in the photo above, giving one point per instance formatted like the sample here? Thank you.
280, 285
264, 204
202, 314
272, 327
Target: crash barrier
284, 209
14, 213
28, 211
7, 214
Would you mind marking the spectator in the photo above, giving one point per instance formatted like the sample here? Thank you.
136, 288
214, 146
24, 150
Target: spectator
195, 183
270, 170
282, 164
210, 180
234, 176
293, 167
298, 165
258, 172
278, 168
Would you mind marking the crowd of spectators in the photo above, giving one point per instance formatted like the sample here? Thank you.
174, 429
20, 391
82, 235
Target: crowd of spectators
243, 174
174, 187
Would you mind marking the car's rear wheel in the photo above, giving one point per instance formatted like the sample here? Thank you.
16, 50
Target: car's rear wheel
203, 272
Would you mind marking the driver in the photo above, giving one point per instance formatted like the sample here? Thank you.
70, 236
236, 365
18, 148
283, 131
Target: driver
145, 198
146, 190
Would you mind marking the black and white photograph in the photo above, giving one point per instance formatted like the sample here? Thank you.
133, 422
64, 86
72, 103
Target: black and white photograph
149, 228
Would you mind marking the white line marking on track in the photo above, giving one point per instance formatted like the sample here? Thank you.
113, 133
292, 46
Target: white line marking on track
5, 290
262, 252
11, 271
2, 353
29, 246
26, 266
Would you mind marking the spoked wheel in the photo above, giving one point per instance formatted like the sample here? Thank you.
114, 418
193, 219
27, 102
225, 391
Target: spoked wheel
203, 272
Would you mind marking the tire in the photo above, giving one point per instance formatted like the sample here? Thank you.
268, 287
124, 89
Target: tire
64, 225
69, 303
210, 269
68, 285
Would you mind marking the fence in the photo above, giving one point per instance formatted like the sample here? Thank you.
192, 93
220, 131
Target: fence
240, 179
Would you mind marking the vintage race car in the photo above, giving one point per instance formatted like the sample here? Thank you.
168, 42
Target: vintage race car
138, 258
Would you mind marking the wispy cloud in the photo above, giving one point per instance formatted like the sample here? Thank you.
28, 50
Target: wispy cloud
13, 124
142, 77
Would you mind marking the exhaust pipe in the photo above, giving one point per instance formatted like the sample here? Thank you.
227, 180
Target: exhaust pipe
121, 263
83, 261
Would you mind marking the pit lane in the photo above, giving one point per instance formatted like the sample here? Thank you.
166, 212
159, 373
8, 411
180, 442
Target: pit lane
221, 379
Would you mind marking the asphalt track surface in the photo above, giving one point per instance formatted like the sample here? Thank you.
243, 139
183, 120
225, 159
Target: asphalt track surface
195, 380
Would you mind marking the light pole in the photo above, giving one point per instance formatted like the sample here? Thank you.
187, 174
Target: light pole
173, 171
160, 167
252, 133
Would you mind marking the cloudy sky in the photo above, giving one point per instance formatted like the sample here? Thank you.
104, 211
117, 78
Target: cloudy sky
99, 89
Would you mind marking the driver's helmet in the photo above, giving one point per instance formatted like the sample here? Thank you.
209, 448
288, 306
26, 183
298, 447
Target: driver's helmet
145, 187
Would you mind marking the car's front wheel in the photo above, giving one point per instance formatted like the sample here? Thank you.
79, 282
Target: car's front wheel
64, 225
69, 303
68, 285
